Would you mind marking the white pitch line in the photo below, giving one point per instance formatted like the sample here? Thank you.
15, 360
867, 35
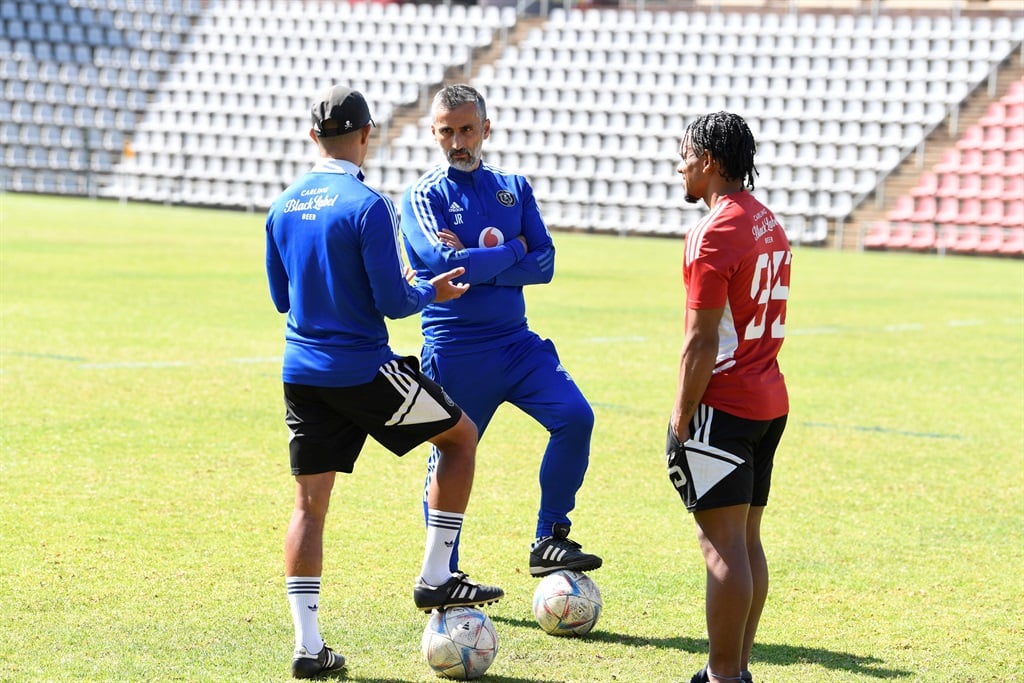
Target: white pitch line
807, 331
153, 364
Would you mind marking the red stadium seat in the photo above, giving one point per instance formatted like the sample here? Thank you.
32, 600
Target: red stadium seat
1013, 186
995, 115
991, 212
900, 236
1014, 111
970, 211
969, 187
902, 211
949, 185
927, 185
1013, 243
947, 238
991, 241
972, 138
1014, 140
948, 210
971, 161
992, 187
994, 137
923, 238
967, 240
993, 161
950, 162
1013, 214
924, 210
877, 236
1013, 162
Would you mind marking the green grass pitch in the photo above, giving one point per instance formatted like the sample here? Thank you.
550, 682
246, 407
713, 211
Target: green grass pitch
144, 487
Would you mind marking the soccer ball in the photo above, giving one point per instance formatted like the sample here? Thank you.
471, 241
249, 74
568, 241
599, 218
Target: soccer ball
459, 643
567, 603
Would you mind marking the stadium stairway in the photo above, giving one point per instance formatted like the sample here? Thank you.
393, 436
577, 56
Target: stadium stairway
908, 174
412, 114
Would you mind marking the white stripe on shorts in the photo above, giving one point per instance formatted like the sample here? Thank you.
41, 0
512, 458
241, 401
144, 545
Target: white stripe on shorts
418, 407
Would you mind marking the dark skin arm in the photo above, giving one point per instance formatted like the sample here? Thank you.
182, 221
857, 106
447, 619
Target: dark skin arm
697, 361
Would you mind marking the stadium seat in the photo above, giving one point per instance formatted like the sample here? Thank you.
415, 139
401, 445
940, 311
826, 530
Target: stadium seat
972, 138
993, 137
924, 210
8, 133
968, 239
949, 164
991, 187
900, 236
973, 159
948, 210
947, 238
927, 185
1013, 139
1004, 161
1013, 211
903, 210
991, 241
995, 116
923, 238
991, 213
1013, 242
968, 185
969, 212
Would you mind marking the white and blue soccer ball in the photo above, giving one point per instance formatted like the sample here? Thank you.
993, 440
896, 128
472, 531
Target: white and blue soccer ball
459, 643
567, 603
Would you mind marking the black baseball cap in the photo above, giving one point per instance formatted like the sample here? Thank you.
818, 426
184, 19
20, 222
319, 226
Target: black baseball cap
341, 110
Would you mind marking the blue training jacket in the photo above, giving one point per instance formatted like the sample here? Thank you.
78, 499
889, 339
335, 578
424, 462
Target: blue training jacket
335, 267
487, 208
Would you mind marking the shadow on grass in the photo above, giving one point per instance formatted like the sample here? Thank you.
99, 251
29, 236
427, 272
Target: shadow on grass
770, 653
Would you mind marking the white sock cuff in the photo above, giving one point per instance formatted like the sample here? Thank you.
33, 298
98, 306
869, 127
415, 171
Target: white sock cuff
302, 585
445, 520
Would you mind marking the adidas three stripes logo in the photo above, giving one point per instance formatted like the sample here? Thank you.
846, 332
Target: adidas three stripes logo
553, 553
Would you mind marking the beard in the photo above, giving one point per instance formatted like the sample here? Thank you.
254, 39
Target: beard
469, 163
690, 199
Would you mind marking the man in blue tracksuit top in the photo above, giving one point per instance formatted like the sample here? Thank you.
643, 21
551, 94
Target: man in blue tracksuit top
471, 215
334, 265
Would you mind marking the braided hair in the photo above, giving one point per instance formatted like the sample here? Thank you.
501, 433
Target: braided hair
730, 142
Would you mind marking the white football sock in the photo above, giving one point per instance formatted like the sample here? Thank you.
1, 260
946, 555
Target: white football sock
442, 529
304, 600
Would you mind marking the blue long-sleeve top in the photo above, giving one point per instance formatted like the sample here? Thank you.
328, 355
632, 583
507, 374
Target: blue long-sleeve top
334, 266
488, 209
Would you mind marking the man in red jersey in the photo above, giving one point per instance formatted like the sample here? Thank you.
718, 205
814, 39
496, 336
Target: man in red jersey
731, 402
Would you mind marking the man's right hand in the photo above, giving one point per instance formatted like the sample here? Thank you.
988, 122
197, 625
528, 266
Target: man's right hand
445, 288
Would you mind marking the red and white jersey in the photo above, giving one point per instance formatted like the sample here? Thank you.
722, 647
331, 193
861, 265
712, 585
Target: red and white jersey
738, 257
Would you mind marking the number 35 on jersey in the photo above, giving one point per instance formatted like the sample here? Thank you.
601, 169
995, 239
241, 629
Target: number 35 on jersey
768, 287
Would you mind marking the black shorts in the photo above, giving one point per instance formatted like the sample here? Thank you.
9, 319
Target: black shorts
726, 461
401, 408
